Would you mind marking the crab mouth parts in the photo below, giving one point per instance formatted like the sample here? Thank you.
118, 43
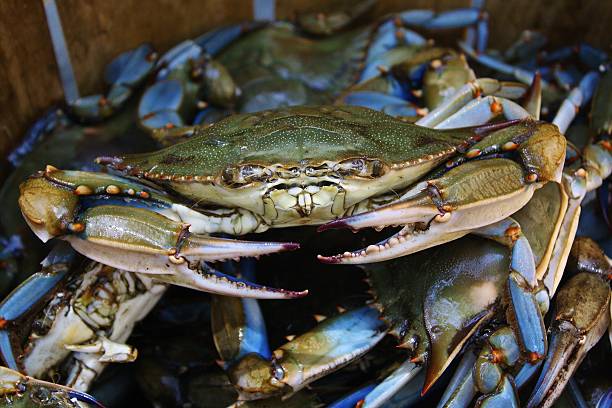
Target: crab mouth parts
379, 249
304, 199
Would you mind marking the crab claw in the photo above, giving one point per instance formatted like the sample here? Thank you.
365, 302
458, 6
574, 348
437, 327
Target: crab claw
582, 317
467, 197
137, 234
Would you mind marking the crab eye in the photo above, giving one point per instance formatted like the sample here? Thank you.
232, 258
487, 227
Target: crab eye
278, 372
245, 174
289, 173
360, 168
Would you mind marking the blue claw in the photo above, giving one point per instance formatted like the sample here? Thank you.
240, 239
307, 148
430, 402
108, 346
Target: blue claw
31, 292
160, 104
177, 57
131, 67
123, 74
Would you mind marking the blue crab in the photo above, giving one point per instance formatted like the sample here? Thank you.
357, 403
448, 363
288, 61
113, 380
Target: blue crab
155, 217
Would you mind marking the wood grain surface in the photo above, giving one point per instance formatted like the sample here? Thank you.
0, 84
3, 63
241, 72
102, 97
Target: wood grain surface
97, 30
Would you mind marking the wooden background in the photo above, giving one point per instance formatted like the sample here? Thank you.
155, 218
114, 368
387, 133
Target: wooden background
97, 30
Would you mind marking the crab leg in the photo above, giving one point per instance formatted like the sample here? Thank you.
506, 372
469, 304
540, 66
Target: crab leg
328, 347
461, 390
31, 292
104, 219
124, 74
577, 98
582, 315
237, 324
469, 92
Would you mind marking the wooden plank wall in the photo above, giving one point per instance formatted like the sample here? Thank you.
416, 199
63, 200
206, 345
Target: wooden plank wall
97, 30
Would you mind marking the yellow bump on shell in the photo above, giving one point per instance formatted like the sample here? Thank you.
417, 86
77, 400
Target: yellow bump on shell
83, 190
50, 169
473, 153
509, 146
112, 189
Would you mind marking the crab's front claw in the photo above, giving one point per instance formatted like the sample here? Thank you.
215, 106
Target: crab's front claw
133, 231
582, 317
465, 198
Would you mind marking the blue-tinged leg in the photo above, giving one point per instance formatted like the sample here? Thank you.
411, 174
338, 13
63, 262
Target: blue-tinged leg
238, 325
526, 372
176, 57
467, 93
160, 105
581, 318
353, 399
25, 298
461, 389
483, 110
520, 74
504, 397
577, 98
329, 346
124, 74
576, 395
391, 385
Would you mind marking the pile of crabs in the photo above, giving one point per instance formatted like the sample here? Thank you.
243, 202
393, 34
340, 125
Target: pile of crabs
469, 287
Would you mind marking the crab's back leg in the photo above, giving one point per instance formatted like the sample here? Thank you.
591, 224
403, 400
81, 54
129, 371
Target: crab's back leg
131, 226
329, 346
523, 342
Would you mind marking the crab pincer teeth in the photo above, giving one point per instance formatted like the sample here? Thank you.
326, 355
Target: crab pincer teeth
216, 249
419, 208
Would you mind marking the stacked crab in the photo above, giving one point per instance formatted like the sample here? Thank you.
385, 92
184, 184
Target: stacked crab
269, 126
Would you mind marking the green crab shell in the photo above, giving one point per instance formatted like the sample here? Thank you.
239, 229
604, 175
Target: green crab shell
348, 153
